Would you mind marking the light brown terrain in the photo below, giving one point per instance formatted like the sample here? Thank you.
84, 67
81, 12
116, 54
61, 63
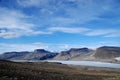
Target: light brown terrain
54, 71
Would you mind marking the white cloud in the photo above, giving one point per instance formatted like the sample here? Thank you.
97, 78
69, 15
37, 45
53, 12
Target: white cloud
4, 47
101, 32
29, 3
14, 24
86, 31
69, 46
68, 29
115, 34
12, 19
8, 47
80, 11
109, 43
63, 20
8, 35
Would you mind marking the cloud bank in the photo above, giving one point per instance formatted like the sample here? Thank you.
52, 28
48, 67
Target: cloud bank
69, 14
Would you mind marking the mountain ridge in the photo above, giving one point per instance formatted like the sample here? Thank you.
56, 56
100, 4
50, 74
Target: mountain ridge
104, 53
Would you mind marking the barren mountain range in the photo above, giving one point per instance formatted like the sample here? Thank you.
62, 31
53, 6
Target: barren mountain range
105, 53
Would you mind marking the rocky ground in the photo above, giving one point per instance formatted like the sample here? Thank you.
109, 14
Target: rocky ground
54, 71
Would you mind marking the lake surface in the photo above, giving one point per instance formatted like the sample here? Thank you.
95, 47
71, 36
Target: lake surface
81, 63
89, 63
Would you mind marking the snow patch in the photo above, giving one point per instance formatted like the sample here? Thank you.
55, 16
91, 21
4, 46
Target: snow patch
117, 58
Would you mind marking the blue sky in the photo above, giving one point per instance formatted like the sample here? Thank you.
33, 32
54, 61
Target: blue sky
58, 24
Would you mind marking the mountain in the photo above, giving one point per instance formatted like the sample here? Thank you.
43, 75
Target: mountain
38, 54
107, 52
13, 55
41, 54
73, 53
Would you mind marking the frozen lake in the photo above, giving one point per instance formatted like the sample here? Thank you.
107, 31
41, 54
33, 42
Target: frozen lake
89, 63
82, 63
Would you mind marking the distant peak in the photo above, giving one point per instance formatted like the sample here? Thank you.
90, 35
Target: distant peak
40, 51
109, 47
79, 49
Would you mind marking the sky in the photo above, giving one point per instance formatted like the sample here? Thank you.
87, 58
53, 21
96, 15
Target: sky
57, 25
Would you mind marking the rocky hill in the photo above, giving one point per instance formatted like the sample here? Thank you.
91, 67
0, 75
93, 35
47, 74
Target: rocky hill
107, 52
14, 55
73, 53
38, 54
